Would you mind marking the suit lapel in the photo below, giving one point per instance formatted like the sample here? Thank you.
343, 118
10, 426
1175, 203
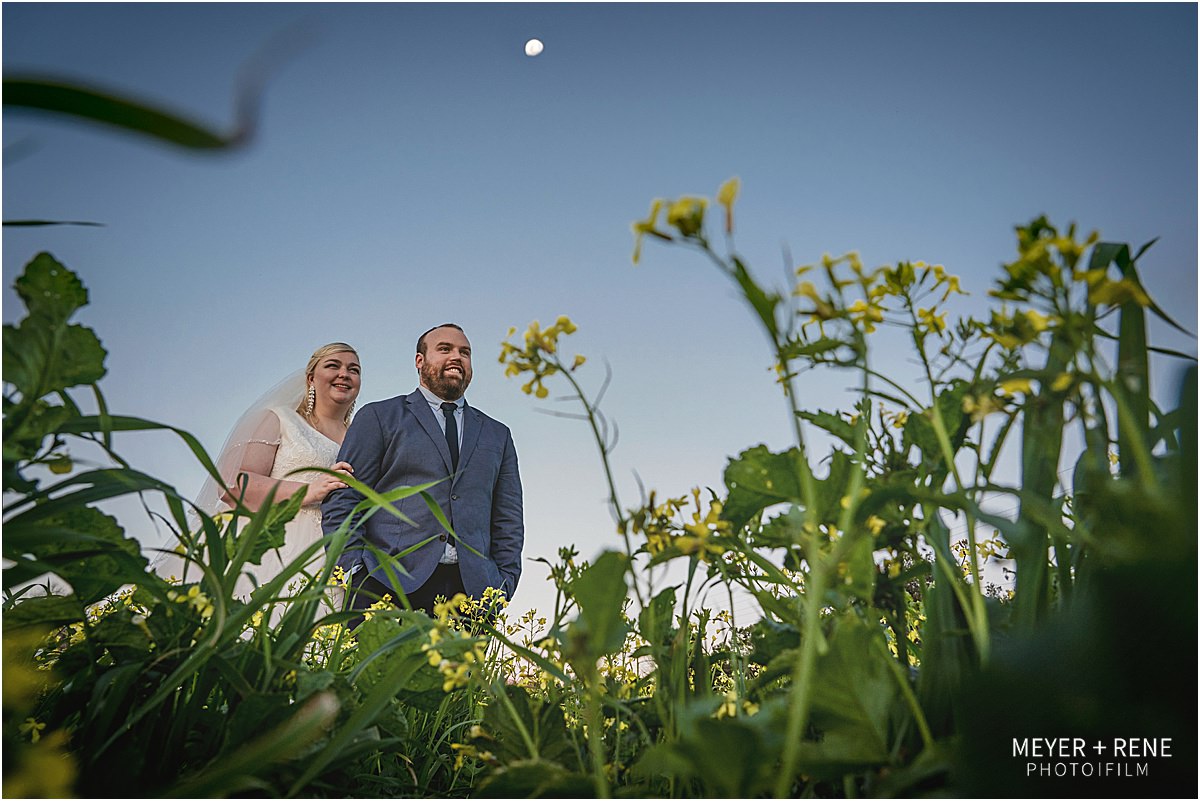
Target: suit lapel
472, 424
424, 414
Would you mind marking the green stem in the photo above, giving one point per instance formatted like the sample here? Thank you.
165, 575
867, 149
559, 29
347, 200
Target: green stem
800, 700
595, 738
909, 697
614, 502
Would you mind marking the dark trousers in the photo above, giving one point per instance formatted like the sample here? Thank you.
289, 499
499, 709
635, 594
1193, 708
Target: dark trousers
446, 581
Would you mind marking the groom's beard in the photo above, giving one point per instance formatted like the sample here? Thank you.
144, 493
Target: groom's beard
447, 387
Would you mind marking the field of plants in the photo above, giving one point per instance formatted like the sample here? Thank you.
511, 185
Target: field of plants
886, 662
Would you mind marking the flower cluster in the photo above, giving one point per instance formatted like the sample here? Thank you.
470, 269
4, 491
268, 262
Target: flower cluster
914, 284
462, 750
729, 706
383, 603
685, 215
539, 356
455, 674
1044, 257
195, 599
661, 527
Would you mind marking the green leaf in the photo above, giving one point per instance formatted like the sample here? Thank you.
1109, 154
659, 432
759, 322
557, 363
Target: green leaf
113, 110
919, 430
655, 620
536, 778
43, 354
727, 756
44, 611
857, 570
84, 547
835, 424
757, 479
50, 291
763, 303
834, 487
229, 774
517, 720
852, 708
117, 633
600, 591
39, 223
384, 639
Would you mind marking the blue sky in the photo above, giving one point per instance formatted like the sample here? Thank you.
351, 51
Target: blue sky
413, 166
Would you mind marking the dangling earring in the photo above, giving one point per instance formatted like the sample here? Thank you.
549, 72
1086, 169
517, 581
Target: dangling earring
311, 406
349, 412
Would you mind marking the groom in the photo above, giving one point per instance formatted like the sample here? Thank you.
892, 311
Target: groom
427, 435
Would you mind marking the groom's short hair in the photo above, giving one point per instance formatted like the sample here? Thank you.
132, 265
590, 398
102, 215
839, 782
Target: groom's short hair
421, 341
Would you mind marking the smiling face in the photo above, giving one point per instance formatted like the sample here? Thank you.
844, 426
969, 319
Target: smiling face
337, 377
444, 364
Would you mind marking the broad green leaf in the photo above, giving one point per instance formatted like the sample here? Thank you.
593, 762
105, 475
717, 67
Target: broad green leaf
834, 487
39, 360
856, 572
384, 639
654, 622
44, 611
123, 639
535, 779
731, 757
851, 710
919, 429
86, 548
757, 479
600, 590
519, 728
50, 291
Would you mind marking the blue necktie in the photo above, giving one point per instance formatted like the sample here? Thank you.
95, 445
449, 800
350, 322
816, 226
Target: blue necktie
448, 410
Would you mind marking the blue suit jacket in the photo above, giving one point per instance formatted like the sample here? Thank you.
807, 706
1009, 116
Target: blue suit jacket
398, 442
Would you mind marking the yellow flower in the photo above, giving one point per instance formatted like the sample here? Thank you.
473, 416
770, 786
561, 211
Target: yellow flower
687, 215
1012, 386
1038, 322
952, 285
725, 196
646, 226
33, 728
47, 771
728, 708
875, 525
865, 314
935, 323
979, 407
806, 289
1115, 293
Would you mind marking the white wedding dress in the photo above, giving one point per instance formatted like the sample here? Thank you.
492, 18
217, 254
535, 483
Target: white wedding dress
300, 446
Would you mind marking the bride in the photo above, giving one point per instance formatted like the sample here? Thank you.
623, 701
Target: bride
299, 423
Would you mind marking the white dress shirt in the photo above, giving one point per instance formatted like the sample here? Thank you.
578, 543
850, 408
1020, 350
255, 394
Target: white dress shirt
450, 556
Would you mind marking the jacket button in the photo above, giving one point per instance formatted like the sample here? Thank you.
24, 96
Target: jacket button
454, 497
442, 537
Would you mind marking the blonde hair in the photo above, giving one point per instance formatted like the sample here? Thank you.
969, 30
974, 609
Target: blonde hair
319, 354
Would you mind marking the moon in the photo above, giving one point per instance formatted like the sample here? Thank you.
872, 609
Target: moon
533, 47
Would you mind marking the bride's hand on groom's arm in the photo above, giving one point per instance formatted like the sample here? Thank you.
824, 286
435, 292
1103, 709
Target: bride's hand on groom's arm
318, 489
